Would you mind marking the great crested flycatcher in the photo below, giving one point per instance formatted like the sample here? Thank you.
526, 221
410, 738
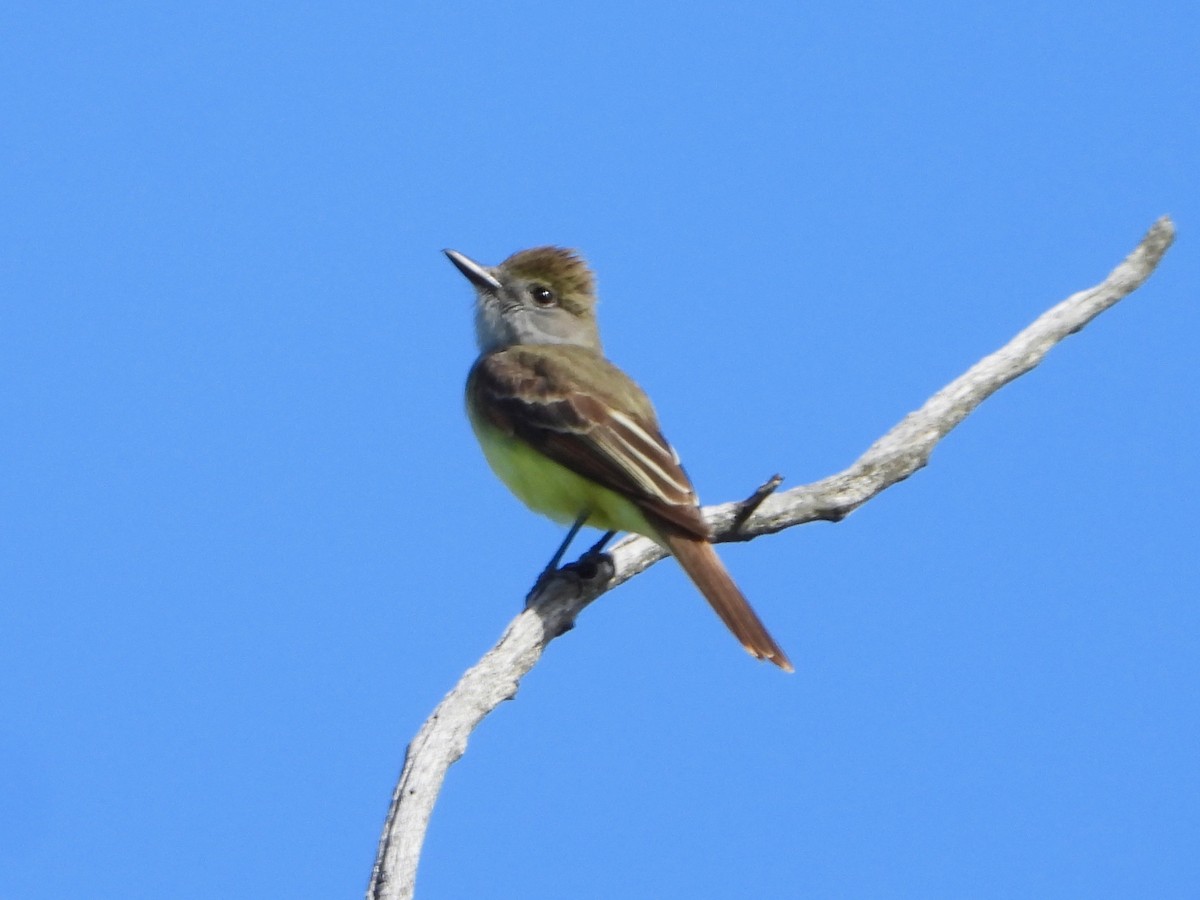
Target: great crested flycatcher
572, 435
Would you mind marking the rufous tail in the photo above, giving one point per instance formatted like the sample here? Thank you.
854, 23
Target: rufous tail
708, 573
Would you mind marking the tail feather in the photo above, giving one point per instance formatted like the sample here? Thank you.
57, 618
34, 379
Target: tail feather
704, 567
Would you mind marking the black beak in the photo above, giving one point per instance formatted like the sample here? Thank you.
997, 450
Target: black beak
480, 276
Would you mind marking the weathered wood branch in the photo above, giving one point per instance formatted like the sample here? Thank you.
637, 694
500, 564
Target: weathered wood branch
898, 454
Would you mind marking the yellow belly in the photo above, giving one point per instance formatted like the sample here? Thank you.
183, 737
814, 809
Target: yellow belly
554, 490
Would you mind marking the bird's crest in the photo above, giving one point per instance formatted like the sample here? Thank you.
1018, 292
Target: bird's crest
565, 269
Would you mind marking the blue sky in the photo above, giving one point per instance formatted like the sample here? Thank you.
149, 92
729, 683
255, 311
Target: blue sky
248, 540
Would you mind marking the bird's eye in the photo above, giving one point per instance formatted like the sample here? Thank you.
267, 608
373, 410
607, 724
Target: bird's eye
542, 295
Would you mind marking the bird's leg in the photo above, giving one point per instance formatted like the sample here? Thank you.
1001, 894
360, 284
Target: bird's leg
597, 547
552, 566
589, 564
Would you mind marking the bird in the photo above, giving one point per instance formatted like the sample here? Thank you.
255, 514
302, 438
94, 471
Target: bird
573, 436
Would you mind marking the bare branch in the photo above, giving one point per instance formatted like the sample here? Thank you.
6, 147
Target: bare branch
898, 454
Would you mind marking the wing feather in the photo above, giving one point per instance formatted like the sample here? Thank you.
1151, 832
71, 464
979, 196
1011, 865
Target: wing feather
587, 415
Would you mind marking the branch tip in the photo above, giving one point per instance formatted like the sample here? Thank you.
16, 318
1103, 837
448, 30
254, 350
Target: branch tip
750, 505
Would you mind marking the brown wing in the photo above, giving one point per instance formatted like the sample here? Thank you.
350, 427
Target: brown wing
585, 414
